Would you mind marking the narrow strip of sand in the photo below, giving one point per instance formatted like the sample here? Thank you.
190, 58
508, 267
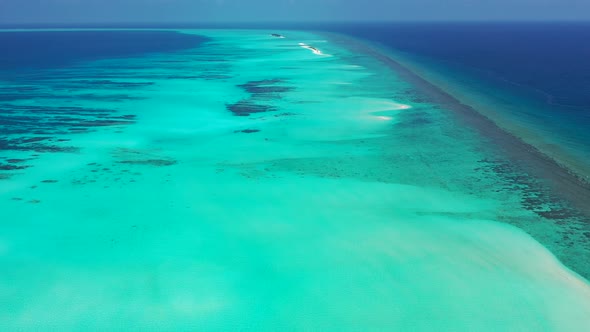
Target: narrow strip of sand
311, 48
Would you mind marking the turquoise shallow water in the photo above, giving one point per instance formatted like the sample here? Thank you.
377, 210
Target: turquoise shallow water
256, 185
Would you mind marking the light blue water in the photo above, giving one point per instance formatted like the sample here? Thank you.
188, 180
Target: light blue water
252, 184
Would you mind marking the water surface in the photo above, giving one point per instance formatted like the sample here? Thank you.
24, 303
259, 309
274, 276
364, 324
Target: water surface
246, 182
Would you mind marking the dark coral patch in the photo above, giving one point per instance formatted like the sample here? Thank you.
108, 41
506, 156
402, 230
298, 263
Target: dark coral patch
535, 196
247, 107
15, 161
108, 84
260, 91
9, 167
34, 128
36, 144
265, 87
247, 131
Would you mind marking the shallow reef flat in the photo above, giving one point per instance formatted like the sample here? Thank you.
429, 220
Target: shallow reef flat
251, 183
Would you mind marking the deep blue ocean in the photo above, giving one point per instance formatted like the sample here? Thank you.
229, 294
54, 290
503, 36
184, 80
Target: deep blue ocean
43, 78
36, 50
553, 58
542, 70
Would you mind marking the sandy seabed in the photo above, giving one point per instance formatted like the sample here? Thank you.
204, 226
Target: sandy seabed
261, 186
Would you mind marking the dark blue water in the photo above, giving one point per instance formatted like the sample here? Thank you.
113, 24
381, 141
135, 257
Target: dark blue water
541, 69
53, 49
551, 57
48, 83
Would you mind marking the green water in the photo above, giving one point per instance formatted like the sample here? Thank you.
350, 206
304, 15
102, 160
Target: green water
356, 206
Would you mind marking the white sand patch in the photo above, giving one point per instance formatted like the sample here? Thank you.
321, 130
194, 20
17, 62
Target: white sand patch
311, 48
384, 110
353, 66
384, 118
382, 105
